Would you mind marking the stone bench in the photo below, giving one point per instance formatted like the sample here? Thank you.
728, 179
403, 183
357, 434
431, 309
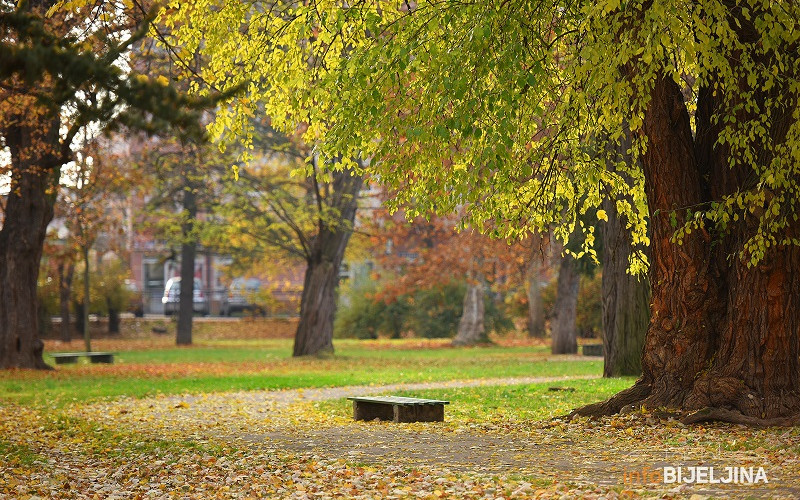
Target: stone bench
64, 358
398, 409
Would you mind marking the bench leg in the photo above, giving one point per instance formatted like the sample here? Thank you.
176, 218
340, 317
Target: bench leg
370, 411
421, 413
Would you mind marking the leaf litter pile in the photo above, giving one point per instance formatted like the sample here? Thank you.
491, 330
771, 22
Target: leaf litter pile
289, 444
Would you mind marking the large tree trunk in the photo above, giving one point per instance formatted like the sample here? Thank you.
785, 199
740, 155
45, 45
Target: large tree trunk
564, 331
471, 327
29, 209
723, 336
66, 270
314, 334
188, 254
626, 298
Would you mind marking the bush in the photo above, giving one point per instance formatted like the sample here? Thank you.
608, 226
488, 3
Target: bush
435, 312
107, 288
360, 315
432, 312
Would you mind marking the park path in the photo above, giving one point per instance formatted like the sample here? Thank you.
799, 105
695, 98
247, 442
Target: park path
286, 421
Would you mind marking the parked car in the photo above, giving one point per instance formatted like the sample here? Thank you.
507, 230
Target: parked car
243, 295
172, 294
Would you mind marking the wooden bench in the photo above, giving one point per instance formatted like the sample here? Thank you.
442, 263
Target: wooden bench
593, 350
64, 358
398, 409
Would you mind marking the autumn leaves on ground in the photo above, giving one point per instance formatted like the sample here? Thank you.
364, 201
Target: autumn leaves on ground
239, 418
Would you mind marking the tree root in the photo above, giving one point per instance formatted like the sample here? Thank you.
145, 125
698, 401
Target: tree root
709, 414
634, 395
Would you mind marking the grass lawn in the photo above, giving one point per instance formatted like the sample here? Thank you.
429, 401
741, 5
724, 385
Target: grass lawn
91, 429
506, 402
143, 369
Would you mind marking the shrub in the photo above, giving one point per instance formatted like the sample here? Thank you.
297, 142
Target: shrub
432, 312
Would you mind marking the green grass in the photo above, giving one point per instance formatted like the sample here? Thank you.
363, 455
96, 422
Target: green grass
16, 454
517, 402
213, 366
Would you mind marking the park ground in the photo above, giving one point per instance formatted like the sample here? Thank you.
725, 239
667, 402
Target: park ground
234, 416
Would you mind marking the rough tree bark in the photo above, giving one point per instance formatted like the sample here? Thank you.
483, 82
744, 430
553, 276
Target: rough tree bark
722, 342
626, 298
314, 334
66, 270
564, 332
471, 327
626, 302
29, 209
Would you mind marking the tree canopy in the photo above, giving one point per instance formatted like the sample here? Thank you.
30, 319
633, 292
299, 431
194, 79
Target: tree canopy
516, 111
63, 71
497, 105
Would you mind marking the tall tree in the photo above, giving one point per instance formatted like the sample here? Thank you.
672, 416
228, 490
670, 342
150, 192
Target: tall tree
272, 215
183, 178
90, 189
497, 100
324, 260
59, 74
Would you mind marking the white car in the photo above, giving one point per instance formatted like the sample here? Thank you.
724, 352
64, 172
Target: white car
172, 297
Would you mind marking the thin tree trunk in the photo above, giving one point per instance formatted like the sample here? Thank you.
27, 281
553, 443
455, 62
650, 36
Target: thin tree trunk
65, 274
188, 255
533, 290
471, 327
113, 320
626, 303
314, 334
625, 298
87, 339
564, 331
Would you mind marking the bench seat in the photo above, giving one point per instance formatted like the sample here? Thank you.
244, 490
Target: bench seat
398, 409
63, 358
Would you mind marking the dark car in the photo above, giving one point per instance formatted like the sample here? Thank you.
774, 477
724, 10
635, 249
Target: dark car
172, 294
243, 295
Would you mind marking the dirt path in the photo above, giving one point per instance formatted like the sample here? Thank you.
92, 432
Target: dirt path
606, 454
